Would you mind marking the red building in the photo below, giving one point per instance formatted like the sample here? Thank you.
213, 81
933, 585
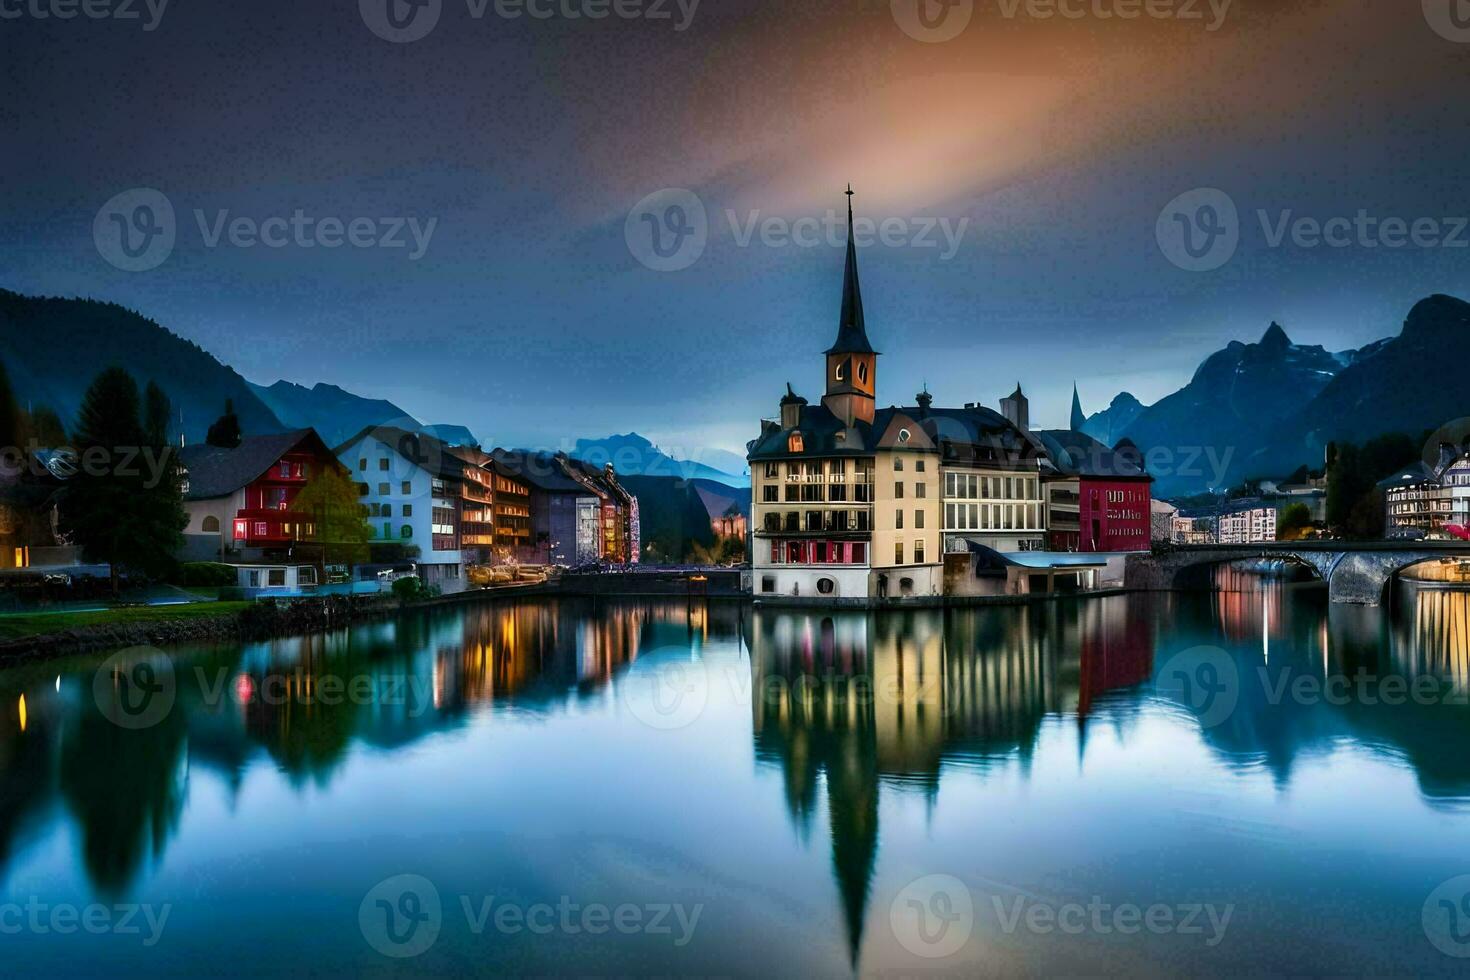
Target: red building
242, 497
1098, 499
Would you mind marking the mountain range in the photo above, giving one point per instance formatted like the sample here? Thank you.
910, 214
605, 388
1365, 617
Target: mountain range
1264, 409
52, 348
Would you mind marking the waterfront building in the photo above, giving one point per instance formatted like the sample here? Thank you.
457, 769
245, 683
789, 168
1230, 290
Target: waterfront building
416, 492
239, 499
853, 501
1249, 525
577, 514
1430, 499
1099, 499
566, 516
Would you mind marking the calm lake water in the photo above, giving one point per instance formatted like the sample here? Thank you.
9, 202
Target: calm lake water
1240, 783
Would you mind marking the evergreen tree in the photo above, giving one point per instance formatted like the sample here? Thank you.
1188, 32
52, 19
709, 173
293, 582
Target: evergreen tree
123, 507
156, 415
46, 430
225, 432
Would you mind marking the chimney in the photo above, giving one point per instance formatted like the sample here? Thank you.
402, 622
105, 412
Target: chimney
791, 407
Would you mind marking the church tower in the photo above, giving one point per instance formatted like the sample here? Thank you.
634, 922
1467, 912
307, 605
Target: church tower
852, 364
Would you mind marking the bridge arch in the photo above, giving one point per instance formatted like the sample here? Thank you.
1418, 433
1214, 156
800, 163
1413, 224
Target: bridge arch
1354, 572
1197, 570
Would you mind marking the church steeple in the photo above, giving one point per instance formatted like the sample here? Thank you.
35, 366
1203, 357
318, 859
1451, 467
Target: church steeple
1079, 418
851, 362
852, 330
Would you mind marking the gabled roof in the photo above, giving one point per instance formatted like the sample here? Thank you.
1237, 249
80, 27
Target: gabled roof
218, 472
544, 471
1414, 474
1078, 454
418, 448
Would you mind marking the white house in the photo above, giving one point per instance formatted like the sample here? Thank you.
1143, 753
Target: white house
410, 485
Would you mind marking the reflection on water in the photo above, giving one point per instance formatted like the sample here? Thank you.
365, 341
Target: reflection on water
1036, 746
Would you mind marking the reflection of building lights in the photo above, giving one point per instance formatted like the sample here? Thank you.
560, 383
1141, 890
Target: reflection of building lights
22, 707
244, 688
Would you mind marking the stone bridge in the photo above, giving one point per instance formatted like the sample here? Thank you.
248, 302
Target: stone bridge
1356, 572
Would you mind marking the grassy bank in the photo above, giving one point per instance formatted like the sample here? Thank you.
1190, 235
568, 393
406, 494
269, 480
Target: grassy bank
22, 626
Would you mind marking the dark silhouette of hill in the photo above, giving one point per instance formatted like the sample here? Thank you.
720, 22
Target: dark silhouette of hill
53, 348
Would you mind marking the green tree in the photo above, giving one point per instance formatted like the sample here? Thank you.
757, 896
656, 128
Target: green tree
1354, 504
156, 415
1293, 521
46, 430
123, 507
225, 432
330, 504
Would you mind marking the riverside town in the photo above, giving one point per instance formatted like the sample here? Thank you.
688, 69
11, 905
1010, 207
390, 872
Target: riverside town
757, 489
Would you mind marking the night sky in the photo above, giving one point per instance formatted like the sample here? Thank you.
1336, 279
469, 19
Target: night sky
1055, 143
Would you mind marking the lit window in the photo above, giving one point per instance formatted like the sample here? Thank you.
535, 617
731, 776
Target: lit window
795, 444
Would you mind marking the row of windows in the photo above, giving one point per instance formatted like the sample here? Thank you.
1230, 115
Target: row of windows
992, 517
818, 520
921, 490
385, 489
814, 493
918, 552
918, 520
819, 553
386, 510
973, 486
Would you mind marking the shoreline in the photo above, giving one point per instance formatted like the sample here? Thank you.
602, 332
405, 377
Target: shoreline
265, 621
